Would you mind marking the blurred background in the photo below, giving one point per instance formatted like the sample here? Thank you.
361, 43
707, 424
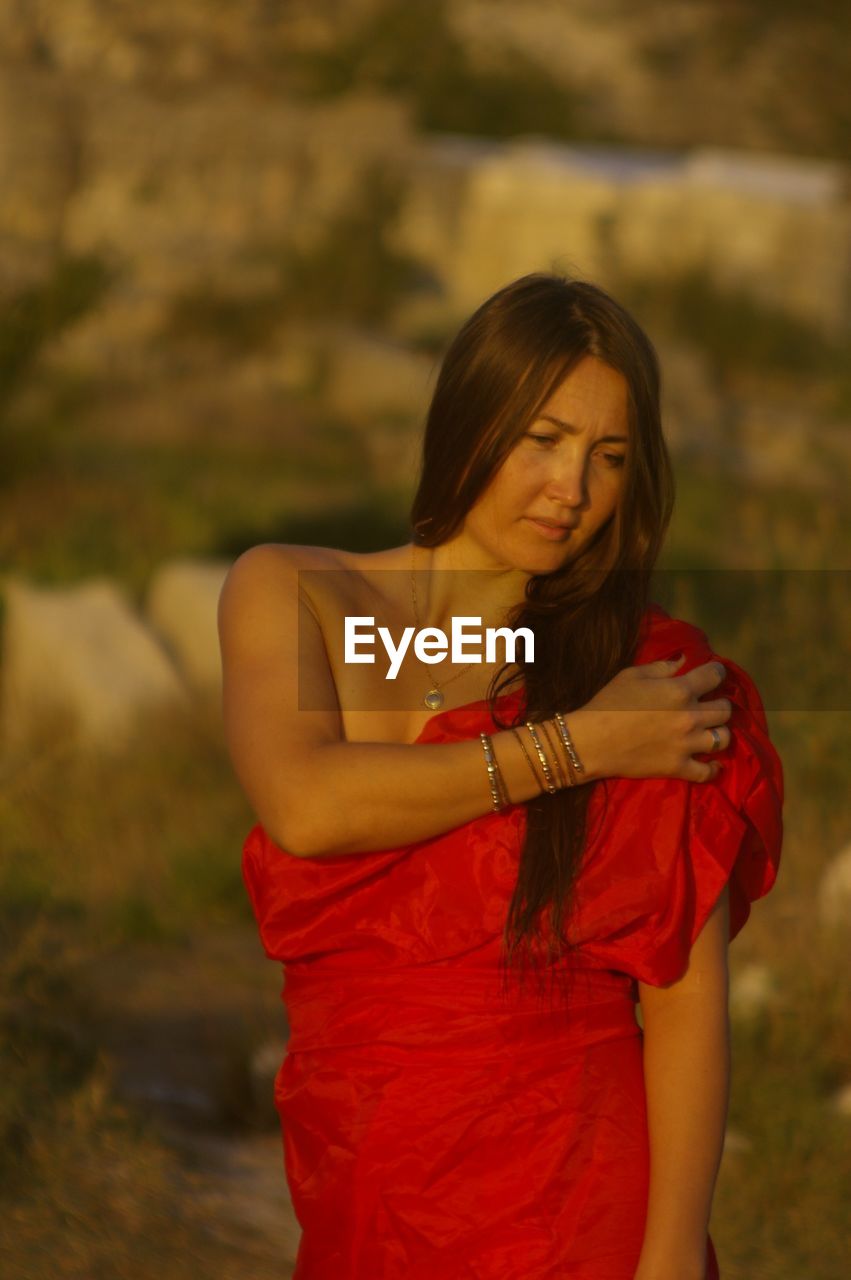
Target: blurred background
234, 242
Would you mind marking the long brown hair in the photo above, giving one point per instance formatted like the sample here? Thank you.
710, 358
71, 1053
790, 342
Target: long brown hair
501, 367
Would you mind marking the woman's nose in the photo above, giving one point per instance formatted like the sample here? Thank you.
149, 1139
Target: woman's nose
567, 481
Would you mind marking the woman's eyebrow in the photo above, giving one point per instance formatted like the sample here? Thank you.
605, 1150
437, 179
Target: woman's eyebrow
572, 430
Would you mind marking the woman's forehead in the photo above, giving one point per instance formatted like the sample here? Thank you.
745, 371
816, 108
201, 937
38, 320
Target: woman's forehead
590, 391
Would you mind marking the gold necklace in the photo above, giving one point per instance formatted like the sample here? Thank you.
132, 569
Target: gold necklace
434, 699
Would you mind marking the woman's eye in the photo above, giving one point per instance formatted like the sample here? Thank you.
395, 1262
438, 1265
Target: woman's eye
613, 459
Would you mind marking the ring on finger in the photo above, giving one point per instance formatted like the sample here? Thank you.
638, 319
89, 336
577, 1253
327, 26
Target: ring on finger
716, 739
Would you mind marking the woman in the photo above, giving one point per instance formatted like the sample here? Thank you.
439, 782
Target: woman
427, 843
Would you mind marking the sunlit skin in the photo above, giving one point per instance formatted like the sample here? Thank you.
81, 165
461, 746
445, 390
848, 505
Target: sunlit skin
568, 468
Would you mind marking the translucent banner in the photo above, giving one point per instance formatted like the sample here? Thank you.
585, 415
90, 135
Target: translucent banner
388, 635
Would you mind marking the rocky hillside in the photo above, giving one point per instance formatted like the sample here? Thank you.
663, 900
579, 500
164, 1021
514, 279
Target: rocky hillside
197, 200
758, 74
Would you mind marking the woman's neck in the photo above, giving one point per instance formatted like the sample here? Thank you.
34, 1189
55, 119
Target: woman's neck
457, 580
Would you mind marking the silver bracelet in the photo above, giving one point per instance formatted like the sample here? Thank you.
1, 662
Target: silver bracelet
499, 797
545, 764
568, 743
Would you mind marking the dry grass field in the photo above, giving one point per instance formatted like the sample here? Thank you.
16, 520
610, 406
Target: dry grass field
137, 1138
130, 968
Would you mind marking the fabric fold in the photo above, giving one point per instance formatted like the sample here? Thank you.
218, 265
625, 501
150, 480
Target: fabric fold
432, 1127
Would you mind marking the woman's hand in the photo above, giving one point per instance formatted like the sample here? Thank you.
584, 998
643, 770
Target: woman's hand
647, 722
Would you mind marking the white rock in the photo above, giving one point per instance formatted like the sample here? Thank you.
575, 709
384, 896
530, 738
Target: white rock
834, 892
266, 1060
81, 651
752, 988
181, 605
265, 1063
735, 1141
842, 1100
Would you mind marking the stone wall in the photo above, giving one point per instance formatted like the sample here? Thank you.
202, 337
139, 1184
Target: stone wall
167, 141
171, 140
776, 226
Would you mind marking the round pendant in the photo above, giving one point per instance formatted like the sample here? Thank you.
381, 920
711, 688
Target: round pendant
433, 699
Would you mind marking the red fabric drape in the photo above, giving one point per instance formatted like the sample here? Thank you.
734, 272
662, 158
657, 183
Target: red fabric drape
433, 1126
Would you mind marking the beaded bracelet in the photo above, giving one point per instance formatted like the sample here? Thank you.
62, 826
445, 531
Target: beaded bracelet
563, 781
499, 795
516, 733
572, 778
545, 764
568, 743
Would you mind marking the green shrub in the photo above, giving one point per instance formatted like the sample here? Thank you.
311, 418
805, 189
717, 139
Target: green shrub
28, 320
737, 331
351, 272
410, 49
239, 325
45, 1050
36, 314
369, 524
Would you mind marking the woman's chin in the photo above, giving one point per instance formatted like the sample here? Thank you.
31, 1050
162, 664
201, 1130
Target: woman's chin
551, 563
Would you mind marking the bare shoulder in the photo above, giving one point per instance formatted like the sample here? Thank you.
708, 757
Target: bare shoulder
279, 699
272, 589
271, 571
282, 557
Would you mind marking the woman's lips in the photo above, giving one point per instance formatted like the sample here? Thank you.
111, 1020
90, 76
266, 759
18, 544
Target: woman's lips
556, 533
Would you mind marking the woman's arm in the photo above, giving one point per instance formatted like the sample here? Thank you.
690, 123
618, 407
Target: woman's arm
315, 793
318, 795
687, 1077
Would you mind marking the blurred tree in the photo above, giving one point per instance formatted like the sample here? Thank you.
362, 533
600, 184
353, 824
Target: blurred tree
28, 320
37, 314
350, 272
807, 100
737, 332
410, 49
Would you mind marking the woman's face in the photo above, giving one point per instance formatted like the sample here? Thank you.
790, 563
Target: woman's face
566, 470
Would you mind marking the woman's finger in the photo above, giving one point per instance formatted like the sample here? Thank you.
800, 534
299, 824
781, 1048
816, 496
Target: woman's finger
707, 740
705, 677
701, 771
661, 666
718, 711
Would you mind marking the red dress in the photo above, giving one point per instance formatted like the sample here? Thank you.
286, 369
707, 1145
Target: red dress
435, 1128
